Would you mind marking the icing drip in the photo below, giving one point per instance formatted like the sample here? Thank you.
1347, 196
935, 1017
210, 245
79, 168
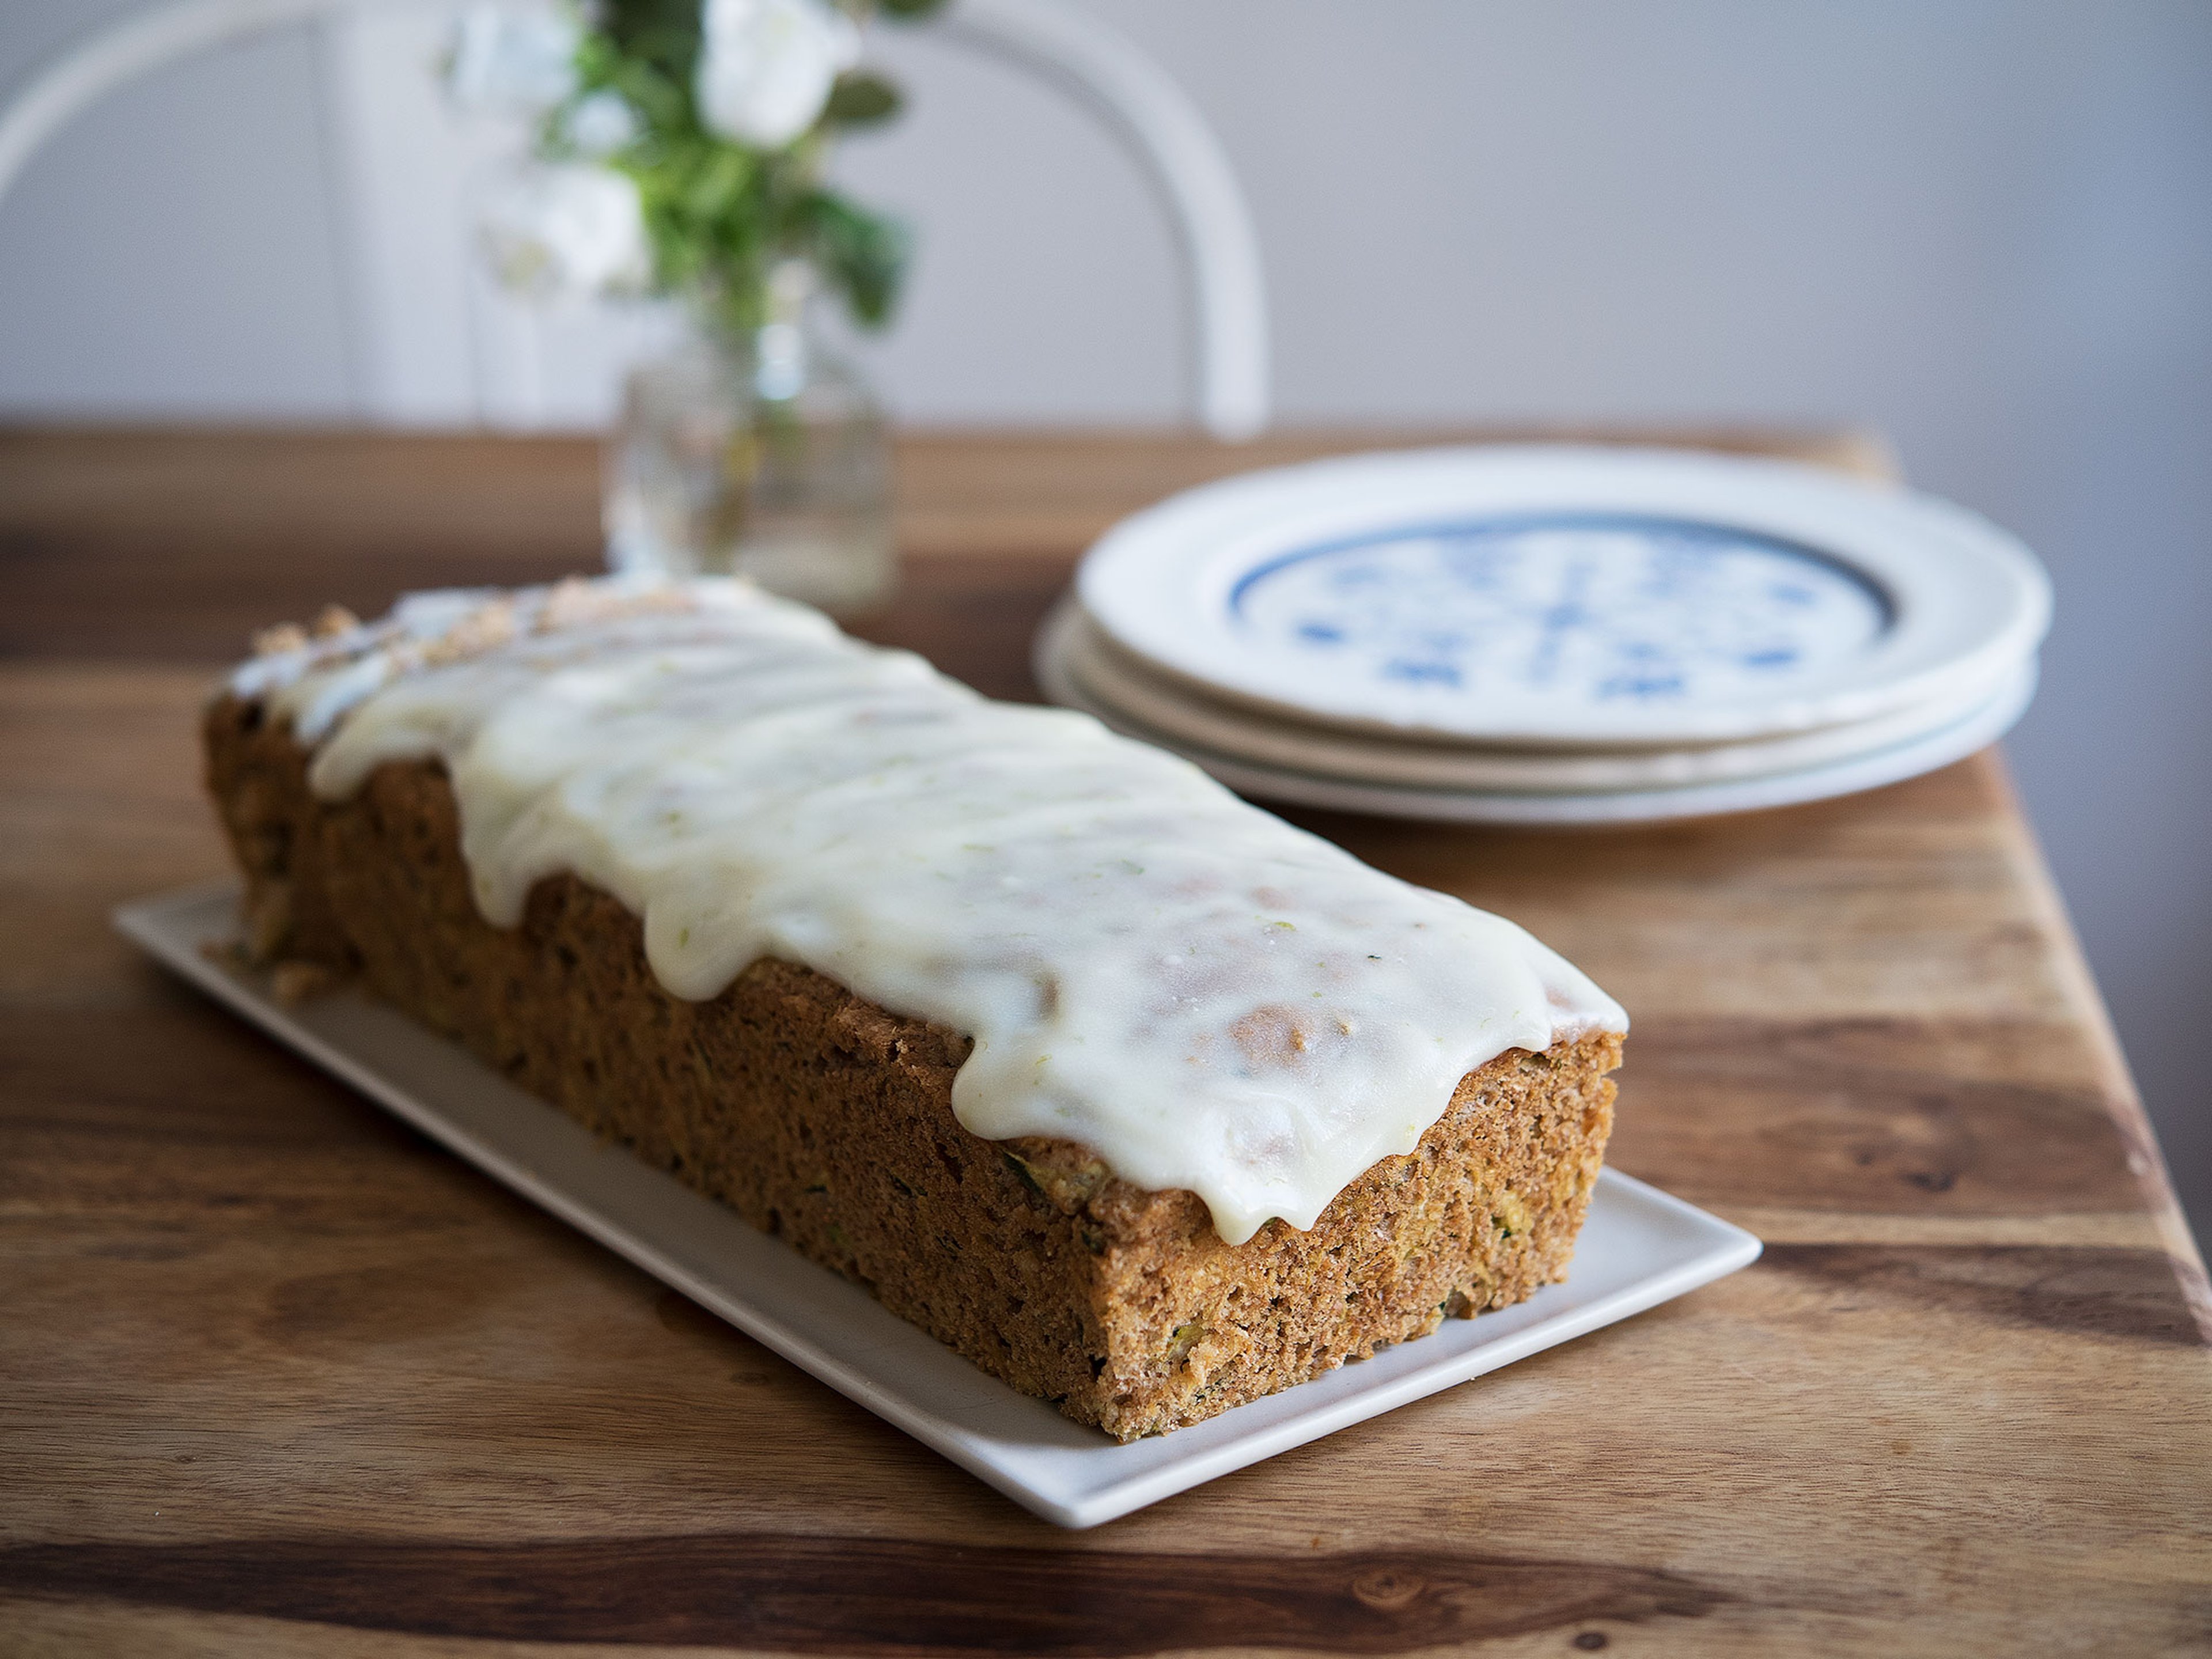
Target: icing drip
1205, 996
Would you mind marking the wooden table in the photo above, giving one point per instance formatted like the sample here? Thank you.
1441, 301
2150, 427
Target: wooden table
277, 1376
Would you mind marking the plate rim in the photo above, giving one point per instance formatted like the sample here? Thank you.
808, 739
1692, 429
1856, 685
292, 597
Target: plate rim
1973, 731
1154, 581
175, 927
1091, 664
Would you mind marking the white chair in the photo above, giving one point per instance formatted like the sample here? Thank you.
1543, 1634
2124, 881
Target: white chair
1144, 109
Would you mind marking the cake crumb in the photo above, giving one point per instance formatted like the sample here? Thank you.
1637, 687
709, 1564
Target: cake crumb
334, 620
485, 628
571, 602
277, 640
575, 601
295, 982
228, 953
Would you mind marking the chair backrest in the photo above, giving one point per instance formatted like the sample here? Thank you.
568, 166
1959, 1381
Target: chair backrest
1137, 102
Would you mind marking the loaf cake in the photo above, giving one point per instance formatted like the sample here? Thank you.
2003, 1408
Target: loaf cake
1140, 1098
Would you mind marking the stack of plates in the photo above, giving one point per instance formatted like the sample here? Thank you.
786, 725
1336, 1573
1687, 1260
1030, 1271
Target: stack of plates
1552, 634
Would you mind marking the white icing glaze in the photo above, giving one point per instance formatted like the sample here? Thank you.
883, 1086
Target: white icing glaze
1204, 995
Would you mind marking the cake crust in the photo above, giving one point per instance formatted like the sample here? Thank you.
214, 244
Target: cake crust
827, 1121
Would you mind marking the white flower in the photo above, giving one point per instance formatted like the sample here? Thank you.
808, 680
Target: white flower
600, 125
568, 230
766, 66
511, 63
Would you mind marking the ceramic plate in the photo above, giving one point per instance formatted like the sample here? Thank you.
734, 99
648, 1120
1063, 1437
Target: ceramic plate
1558, 595
1639, 1247
1184, 715
1979, 727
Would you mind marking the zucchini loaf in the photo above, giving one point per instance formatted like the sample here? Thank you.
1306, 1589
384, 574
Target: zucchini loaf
1142, 1100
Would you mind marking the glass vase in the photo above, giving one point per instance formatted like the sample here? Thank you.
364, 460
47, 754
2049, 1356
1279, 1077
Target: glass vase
765, 457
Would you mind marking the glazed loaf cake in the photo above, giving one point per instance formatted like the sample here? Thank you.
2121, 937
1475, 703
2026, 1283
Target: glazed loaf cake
1143, 1261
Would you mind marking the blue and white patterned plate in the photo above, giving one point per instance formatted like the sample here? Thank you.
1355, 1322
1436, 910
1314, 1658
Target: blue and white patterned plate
1561, 597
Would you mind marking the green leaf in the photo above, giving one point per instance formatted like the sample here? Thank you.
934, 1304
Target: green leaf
713, 189
910, 11
662, 32
665, 105
864, 254
860, 98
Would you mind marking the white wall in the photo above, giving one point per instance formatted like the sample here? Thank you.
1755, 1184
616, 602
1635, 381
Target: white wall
1983, 225
174, 253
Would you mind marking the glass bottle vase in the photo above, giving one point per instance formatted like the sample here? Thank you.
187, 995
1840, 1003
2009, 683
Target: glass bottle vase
766, 456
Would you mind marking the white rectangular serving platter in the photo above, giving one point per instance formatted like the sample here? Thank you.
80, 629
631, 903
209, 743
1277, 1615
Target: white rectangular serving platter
1639, 1247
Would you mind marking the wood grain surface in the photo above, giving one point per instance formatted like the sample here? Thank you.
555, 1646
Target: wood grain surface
277, 1376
